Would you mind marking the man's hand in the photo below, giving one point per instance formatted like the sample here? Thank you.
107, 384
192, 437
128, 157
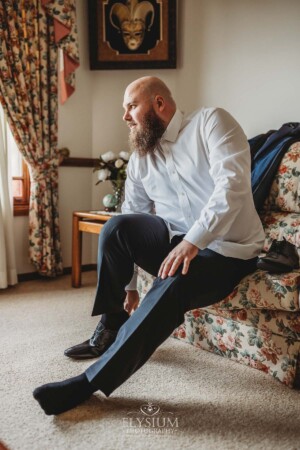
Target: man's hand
183, 253
131, 301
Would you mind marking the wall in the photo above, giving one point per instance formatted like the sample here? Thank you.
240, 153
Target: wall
241, 55
246, 59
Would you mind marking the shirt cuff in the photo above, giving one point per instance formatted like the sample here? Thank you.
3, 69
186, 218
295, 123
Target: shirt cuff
199, 236
132, 286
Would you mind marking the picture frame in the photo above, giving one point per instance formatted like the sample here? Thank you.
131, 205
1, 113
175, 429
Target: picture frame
132, 34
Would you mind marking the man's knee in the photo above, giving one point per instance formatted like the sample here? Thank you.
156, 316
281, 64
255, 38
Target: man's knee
115, 228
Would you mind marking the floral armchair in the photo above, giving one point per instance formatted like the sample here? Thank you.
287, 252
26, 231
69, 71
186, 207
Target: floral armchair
258, 324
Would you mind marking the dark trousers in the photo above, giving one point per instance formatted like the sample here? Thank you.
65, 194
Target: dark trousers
144, 239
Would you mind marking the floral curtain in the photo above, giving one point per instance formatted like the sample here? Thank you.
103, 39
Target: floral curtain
65, 34
31, 32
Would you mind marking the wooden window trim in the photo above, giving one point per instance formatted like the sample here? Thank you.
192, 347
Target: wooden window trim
21, 204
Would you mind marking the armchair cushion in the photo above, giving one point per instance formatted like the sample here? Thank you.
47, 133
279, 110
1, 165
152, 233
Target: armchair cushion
261, 290
285, 190
279, 225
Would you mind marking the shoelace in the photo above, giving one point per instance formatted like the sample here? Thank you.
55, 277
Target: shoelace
97, 332
105, 336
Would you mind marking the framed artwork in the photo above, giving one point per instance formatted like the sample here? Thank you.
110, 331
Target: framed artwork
132, 34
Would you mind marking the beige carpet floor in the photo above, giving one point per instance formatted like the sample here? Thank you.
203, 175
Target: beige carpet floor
202, 401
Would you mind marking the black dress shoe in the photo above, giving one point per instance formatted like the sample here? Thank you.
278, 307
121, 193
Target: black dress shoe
281, 257
94, 347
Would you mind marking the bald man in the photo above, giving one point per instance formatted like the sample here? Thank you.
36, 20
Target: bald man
188, 218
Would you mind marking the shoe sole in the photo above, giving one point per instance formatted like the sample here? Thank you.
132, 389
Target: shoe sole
82, 357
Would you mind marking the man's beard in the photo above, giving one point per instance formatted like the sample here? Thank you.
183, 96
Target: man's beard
144, 141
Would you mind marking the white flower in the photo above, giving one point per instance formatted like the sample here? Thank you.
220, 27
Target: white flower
119, 163
108, 156
124, 155
103, 174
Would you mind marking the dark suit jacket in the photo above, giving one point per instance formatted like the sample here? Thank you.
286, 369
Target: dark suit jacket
267, 151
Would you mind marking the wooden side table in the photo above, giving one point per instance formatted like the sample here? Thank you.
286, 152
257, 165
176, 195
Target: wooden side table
88, 222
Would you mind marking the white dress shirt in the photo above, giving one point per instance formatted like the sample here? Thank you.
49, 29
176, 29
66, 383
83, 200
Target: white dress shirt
198, 180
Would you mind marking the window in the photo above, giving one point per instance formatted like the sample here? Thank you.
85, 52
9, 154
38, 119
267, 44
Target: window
18, 171
20, 177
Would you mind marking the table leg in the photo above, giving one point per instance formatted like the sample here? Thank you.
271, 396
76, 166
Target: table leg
76, 252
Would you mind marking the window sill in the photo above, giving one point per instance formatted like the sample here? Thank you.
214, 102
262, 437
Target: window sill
21, 210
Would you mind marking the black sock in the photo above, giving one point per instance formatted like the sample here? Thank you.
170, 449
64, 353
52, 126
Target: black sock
56, 398
114, 321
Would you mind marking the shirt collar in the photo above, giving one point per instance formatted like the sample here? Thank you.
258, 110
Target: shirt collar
174, 127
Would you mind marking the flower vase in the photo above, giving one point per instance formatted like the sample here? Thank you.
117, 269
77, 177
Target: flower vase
118, 188
113, 201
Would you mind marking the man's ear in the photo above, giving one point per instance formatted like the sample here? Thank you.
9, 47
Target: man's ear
159, 103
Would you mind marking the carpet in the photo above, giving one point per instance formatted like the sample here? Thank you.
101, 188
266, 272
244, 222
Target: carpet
182, 398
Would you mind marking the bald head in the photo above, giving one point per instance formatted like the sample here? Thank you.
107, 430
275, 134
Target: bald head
156, 93
151, 87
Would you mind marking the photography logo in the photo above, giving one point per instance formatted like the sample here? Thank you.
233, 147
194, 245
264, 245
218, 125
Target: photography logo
151, 419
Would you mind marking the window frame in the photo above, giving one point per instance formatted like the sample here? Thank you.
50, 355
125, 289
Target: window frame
21, 204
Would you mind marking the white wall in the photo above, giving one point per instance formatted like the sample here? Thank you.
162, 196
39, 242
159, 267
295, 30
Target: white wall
247, 59
242, 55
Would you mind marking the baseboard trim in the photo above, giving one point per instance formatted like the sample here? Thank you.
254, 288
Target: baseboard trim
67, 271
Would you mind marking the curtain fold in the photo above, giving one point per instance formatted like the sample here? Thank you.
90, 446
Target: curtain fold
8, 269
65, 35
28, 93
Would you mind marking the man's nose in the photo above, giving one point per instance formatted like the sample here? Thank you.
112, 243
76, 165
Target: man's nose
126, 116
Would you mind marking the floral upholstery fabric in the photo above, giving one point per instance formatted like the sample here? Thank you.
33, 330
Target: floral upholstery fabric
258, 324
266, 320
285, 190
279, 225
264, 290
258, 348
